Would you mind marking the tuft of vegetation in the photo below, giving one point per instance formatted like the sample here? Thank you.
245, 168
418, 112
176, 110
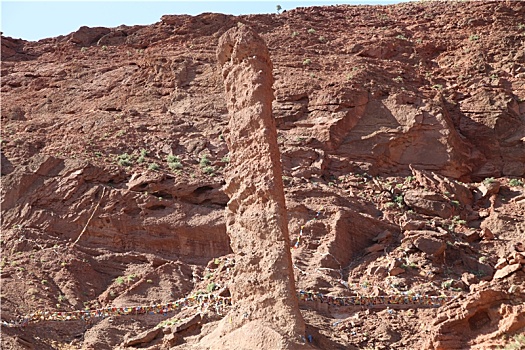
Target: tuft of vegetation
204, 162
474, 37
311, 31
142, 157
119, 280
208, 170
401, 37
153, 167
446, 284
211, 287
174, 162
456, 221
175, 165
307, 62
515, 183
278, 8
399, 200
225, 159
294, 34
517, 342
172, 159
398, 79
488, 180
125, 160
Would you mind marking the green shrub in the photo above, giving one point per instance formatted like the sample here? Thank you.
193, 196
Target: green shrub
204, 161
153, 166
311, 31
515, 183
211, 287
488, 180
175, 165
307, 62
125, 160
209, 170
172, 159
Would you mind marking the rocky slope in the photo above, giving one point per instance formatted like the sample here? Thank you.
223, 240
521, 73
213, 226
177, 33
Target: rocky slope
401, 130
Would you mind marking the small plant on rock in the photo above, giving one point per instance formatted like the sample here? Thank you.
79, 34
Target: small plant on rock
307, 62
488, 180
208, 170
204, 161
153, 167
174, 162
211, 287
311, 31
142, 156
125, 160
515, 183
446, 284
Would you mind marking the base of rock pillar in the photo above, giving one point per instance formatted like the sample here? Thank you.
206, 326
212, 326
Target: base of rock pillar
255, 334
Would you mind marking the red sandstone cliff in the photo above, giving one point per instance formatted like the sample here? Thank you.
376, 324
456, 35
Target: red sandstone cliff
401, 130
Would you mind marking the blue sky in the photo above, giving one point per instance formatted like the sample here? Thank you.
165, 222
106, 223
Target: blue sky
35, 20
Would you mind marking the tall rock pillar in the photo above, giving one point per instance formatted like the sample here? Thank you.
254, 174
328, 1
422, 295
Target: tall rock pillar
265, 307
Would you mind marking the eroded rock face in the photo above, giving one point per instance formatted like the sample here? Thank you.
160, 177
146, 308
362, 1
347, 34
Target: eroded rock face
263, 289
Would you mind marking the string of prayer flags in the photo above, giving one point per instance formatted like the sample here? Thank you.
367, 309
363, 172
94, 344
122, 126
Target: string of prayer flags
397, 299
202, 301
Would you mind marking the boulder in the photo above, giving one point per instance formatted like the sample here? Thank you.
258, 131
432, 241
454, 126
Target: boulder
429, 242
507, 270
86, 36
429, 203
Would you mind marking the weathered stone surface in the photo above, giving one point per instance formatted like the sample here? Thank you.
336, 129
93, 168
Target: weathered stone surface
431, 180
430, 245
486, 234
143, 338
396, 271
489, 188
375, 248
5, 165
429, 203
87, 36
507, 270
263, 288
430, 242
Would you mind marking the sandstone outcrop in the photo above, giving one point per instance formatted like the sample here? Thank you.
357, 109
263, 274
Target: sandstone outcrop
265, 311
118, 143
